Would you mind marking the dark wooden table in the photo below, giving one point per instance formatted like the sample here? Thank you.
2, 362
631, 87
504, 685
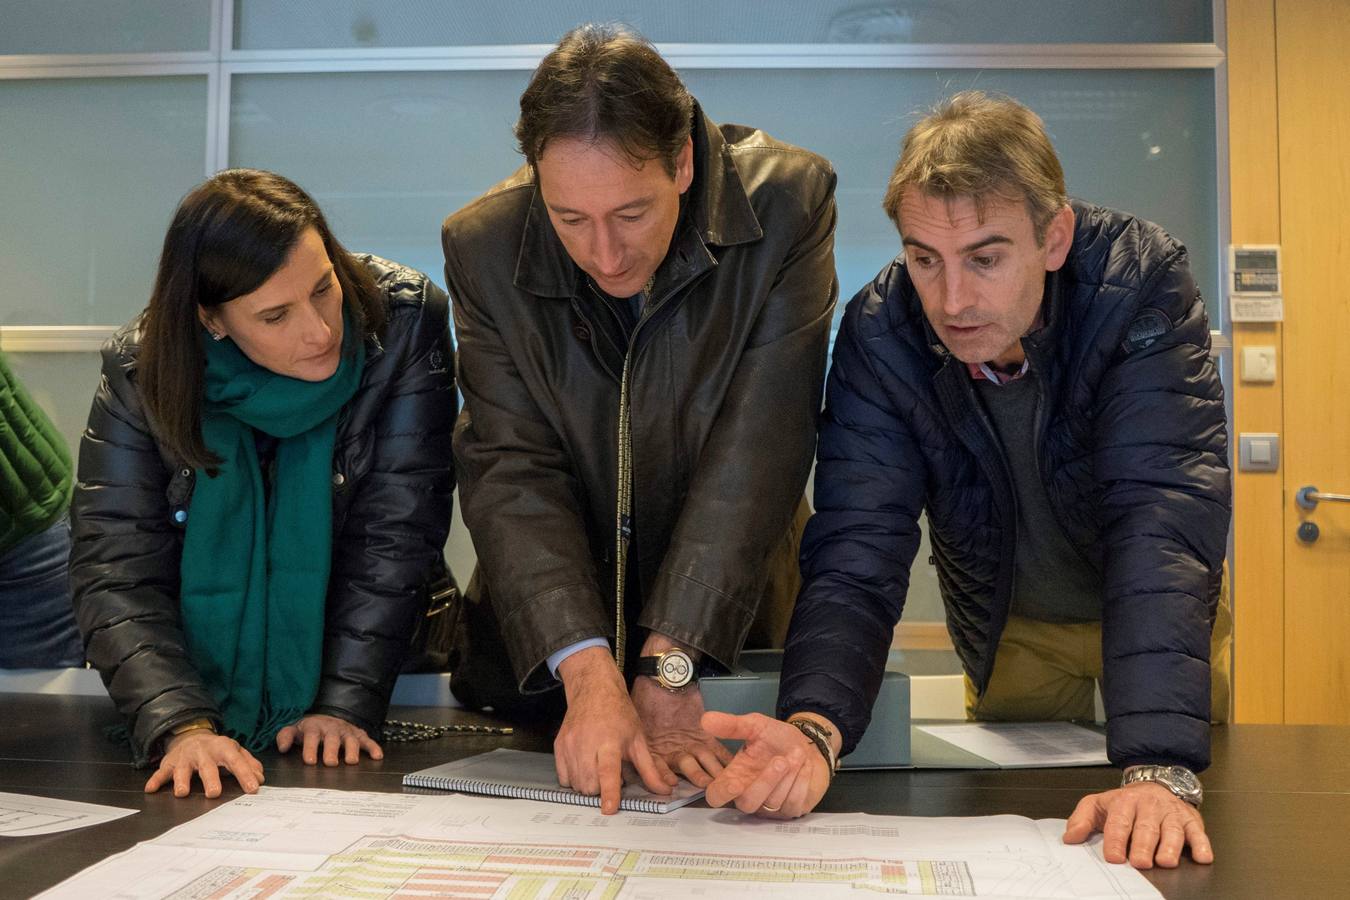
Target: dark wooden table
1277, 800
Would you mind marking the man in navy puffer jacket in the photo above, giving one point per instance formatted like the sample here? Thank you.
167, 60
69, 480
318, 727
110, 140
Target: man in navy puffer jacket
1035, 374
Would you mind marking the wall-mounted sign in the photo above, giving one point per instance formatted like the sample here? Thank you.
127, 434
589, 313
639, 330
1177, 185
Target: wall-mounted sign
1254, 293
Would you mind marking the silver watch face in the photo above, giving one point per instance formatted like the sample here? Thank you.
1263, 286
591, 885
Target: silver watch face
674, 669
1182, 779
1177, 779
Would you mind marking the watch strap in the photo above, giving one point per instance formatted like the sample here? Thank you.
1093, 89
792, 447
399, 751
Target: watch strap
1180, 780
820, 736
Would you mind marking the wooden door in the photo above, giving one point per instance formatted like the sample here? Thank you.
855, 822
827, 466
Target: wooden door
1313, 96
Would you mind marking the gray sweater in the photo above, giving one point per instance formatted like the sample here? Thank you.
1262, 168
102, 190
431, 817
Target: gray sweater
1054, 583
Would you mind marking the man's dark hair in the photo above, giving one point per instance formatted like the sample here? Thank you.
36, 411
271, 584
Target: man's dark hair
606, 82
229, 235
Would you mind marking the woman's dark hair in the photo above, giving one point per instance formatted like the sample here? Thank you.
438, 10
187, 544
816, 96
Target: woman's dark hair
229, 235
605, 81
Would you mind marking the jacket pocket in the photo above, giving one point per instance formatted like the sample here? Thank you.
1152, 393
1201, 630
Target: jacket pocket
351, 462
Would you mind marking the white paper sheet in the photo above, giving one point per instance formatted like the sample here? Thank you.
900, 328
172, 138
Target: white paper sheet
296, 842
23, 815
1026, 744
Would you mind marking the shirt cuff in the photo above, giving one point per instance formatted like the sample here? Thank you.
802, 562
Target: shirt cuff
555, 659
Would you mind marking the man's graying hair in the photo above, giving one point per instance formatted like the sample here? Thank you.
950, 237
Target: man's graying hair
982, 147
605, 82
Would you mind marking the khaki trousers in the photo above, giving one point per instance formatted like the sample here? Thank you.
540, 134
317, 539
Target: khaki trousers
1046, 671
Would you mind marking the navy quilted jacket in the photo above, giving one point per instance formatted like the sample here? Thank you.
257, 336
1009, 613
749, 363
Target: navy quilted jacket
1134, 456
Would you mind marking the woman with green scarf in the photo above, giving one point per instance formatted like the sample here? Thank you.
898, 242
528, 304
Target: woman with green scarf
264, 489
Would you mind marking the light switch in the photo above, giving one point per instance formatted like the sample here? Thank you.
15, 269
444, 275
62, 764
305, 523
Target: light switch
1258, 364
1258, 452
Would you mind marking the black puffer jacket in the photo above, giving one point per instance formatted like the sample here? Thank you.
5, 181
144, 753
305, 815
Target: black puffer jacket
1134, 455
392, 487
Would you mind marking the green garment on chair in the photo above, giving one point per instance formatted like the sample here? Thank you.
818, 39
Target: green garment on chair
35, 470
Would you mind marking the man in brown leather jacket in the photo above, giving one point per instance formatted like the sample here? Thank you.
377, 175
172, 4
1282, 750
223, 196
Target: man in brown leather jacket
642, 313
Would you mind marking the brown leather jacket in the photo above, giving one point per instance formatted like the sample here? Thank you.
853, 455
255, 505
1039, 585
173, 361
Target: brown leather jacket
727, 364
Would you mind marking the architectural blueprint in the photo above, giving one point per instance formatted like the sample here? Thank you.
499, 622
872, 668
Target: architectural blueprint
22, 815
317, 843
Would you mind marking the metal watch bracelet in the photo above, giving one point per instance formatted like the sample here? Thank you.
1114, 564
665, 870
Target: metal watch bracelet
1180, 780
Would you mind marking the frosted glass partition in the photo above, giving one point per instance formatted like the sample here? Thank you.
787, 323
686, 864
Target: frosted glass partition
387, 155
1137, 140
92, 169
267, 25
107, 26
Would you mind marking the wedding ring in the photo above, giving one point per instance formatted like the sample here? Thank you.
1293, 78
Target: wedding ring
767, 808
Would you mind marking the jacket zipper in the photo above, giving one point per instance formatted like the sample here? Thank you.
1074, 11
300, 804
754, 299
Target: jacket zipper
1008, 541
623, 514
623, 517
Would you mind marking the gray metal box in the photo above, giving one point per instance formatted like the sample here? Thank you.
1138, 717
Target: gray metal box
754, 688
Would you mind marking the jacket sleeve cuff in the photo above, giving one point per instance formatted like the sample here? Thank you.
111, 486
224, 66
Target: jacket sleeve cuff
546, 623
146, 755
1163, 739
361, 704
371, 728
148, 727
697, 616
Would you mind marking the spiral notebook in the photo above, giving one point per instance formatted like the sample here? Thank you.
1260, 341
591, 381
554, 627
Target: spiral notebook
532, 776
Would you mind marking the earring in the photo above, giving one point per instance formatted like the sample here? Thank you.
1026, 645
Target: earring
217, 335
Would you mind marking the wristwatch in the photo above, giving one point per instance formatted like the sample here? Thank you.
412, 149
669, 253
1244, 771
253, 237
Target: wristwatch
1177, 779
674, 670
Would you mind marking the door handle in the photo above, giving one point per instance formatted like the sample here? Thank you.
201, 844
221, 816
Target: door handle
1308, 497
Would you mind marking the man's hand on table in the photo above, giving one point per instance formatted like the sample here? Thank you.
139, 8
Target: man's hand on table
334, 735
778, 773
672, 721
1143, 823
600, 731
204, 753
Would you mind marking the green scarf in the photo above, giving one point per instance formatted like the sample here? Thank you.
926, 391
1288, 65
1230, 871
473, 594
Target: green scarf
255, 562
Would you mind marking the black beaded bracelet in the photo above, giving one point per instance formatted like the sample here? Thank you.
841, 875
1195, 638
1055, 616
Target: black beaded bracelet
820, 736
397, 731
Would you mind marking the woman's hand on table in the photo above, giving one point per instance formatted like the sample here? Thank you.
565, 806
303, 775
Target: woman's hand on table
335, 736
204, 753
